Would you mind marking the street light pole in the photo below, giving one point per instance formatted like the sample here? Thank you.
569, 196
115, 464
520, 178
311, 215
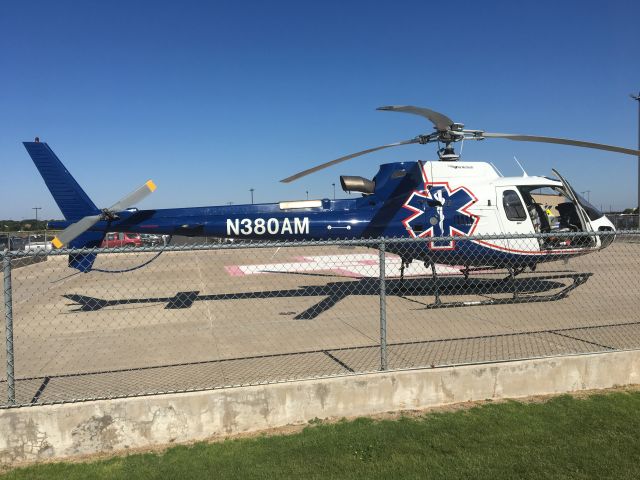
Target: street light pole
334, 190
307, 194
637, 99
251, 190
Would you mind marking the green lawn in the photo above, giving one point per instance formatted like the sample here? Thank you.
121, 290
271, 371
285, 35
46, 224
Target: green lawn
594, 437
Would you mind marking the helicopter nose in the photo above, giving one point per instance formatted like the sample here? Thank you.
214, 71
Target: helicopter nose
607, 229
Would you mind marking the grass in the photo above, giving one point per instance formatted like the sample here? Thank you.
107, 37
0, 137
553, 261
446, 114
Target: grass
565, 437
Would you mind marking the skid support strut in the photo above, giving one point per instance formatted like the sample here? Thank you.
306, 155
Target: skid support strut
512, 278
436, 283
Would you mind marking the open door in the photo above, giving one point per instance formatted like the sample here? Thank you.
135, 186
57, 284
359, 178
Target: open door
581, 215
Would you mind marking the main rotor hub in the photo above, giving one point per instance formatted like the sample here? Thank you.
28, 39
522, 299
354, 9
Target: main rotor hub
455, 133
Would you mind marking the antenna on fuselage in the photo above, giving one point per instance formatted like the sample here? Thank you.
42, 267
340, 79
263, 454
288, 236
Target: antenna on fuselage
524, 174
496, 169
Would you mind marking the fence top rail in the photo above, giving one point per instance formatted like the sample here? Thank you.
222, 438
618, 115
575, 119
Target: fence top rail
365, 242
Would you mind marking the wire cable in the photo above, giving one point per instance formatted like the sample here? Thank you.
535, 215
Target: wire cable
144, 264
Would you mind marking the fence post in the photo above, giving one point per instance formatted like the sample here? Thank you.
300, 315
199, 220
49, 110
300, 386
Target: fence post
8, 318
383, 308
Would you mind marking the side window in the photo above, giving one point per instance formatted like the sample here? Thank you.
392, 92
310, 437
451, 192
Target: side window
513, 206
121, 236
111, 236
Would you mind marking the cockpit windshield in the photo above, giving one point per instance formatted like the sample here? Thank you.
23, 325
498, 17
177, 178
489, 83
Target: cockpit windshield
592, 212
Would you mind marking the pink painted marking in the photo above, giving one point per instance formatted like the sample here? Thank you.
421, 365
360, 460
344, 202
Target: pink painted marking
234, 270
368, 262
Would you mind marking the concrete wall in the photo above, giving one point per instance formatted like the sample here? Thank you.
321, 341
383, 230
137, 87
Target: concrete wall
33, 433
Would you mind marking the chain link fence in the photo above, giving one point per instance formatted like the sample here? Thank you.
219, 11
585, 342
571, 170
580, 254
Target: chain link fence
624, 221
229, 314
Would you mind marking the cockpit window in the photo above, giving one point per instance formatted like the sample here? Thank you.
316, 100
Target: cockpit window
513, 206
592, 212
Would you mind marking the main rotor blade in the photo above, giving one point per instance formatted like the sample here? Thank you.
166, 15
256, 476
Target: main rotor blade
134, 197
345, 158
75, 230
441, 121
561, 141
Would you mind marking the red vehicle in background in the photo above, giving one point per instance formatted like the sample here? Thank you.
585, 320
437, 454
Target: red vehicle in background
121, 239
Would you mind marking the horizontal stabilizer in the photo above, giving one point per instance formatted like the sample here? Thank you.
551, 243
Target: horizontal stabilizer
82, 261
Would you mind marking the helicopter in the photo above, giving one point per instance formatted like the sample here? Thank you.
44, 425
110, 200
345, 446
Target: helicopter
440, 200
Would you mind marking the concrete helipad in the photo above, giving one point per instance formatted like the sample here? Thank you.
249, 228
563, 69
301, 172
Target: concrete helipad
205, 319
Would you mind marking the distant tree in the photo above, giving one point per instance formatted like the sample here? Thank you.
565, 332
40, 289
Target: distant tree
27, 224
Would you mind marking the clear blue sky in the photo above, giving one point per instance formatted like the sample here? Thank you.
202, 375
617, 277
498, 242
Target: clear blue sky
212, 98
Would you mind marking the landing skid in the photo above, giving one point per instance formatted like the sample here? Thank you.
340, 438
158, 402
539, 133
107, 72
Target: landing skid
507, 285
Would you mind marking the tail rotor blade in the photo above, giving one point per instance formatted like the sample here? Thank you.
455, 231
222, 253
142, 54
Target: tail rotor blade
134, 197
322, 166
561, 141
75, 230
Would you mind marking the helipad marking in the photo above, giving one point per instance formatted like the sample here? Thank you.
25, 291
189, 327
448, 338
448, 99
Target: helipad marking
352, 265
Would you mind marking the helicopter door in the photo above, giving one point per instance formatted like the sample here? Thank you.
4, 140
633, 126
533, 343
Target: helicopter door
590, 241
515, 219
585, 224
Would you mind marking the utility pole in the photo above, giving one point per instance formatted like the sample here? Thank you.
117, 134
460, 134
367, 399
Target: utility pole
307, 194
36, 209
637, 99
251, 190
334, 190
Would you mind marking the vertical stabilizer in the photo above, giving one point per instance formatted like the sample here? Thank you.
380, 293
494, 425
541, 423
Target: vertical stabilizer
72, 200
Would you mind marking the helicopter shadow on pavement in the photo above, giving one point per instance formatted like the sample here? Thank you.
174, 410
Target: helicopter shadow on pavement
529, 289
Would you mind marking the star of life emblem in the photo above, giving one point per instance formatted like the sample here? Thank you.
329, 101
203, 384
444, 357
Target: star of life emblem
439, 211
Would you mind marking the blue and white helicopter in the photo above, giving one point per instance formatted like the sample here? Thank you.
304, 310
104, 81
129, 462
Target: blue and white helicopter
445, 199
